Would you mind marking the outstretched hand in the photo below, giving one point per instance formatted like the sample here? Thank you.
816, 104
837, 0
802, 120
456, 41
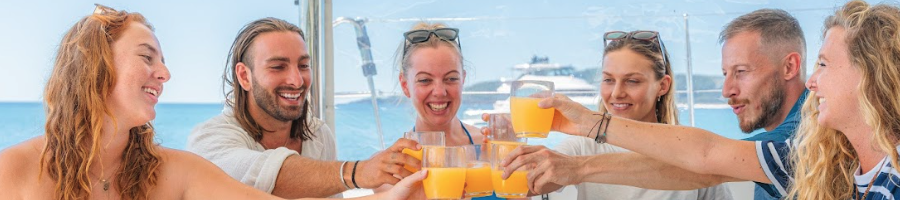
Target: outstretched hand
551, 171
386, 167
406, 187
570, 117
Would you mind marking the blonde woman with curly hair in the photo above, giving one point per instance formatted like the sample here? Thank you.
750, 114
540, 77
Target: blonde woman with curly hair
107, 78
845, 148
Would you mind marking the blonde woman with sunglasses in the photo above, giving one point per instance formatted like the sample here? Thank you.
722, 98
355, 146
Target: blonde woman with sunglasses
100, 97
637, 84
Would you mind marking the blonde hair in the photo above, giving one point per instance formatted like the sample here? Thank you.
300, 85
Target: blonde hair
433, 42
666, 112
75, 97
824, 158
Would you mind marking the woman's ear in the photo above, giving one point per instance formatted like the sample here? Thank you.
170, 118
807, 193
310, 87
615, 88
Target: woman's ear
664, 85
403, 85
464, 77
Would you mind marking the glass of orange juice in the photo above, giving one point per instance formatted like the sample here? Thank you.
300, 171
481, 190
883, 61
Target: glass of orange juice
527, 119
516, 186
424, 138
501, 130
446, 172
478, 172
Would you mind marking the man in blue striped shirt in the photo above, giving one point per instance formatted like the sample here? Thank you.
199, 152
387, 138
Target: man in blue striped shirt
757, 47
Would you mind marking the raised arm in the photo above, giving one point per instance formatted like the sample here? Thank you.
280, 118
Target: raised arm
553, 169
641, 171
693, 149
297, 172
203, 180
284, 173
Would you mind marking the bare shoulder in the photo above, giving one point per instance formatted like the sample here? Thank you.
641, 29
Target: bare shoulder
189, 166
475, 132
20, 162
181, 162
179, 171
193, 177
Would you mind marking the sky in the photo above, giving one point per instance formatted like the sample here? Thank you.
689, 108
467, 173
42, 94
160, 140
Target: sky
495, 35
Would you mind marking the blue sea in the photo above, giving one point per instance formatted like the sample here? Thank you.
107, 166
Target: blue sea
355, 127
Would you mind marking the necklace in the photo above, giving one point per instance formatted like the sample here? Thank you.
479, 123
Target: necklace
856, 194
104, 181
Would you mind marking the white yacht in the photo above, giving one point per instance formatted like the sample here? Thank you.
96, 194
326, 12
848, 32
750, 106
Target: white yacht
539, 68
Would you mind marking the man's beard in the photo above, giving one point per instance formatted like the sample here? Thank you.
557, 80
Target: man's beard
268, 101
771, 107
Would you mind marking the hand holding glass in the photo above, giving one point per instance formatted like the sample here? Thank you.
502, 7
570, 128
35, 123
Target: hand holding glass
424, 138
527, 118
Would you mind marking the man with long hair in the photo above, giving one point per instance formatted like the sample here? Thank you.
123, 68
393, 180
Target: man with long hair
107, 77
265, 137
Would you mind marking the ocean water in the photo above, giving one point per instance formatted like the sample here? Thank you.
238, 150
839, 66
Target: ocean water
355, 127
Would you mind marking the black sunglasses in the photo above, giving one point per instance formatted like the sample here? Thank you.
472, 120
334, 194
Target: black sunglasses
419, 36
637, 35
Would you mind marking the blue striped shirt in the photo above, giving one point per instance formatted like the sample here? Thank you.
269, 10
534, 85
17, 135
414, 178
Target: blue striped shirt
774, 158
784, 131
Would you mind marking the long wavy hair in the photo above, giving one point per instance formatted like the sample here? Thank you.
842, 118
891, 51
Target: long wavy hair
238, 98
75, 98
824, 158
666, 112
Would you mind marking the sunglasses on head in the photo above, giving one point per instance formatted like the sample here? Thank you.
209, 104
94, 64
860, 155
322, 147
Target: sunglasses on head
102, 10
650, 36
419, 36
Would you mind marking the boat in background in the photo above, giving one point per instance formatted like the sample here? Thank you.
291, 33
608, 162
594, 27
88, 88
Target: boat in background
540, 69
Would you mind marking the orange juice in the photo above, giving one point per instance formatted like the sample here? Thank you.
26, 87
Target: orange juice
444, 183
478, 180
527, 119
516, 186
504, 147
415, 154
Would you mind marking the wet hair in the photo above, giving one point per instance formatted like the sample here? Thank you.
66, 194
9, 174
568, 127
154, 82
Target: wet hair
238, 98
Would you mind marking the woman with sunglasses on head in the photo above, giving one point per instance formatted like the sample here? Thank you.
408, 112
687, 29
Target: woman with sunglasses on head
431, 74
845, 148
108, 75
636, 84
432, 77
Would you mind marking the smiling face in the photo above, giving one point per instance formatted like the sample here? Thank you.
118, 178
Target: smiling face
434, 83
752, 85
835, 82
140, 72
629, 87
279, 76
